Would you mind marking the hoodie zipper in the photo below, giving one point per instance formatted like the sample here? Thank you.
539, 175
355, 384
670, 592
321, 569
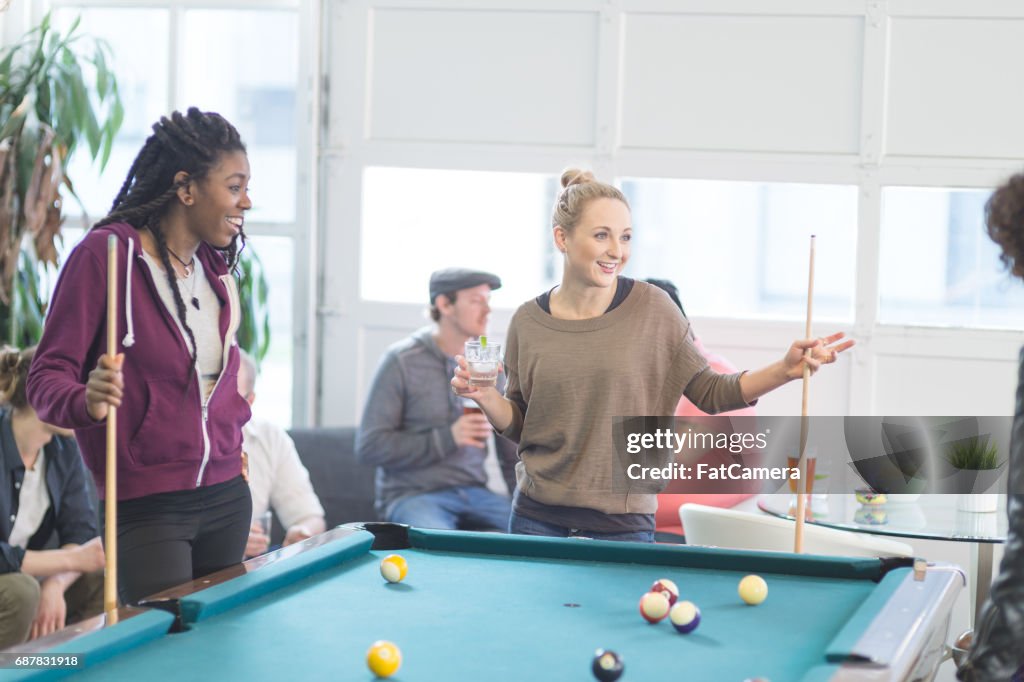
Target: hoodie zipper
204, 408
205, 405
228, 282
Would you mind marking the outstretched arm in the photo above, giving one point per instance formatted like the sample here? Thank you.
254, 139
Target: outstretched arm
824, 351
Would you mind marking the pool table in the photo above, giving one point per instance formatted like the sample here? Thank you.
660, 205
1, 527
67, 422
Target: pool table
500, 607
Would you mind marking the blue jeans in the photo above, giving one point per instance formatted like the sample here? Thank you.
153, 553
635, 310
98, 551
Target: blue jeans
460, 508
522, 525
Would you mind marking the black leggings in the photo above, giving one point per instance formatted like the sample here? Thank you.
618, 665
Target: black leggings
167, 539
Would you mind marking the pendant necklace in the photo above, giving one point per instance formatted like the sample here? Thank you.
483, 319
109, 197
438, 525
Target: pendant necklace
190, 271
192, 290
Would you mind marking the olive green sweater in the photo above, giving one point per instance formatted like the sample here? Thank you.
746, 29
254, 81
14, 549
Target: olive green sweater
567, 379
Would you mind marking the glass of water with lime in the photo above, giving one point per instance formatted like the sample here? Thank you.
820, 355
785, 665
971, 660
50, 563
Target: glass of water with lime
483, 358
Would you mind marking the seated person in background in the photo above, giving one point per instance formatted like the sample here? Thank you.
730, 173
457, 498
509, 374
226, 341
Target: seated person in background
430, 455
277, 478
42, 490
715, 361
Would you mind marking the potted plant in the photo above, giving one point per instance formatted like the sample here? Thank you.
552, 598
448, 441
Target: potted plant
57, 95
254, 330
979, 459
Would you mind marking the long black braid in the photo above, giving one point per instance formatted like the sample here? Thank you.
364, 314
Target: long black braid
192, 142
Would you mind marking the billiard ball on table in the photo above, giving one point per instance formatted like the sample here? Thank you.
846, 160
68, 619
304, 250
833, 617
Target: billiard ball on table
667, 588
654, 606
383, 658
607, 665
685, 617
393, 568
753, 589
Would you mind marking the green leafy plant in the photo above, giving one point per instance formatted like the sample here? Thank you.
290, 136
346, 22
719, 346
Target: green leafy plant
974, 453
254, 331
49, 108
28, 308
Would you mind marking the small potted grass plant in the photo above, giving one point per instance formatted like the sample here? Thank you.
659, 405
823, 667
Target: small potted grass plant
979, 457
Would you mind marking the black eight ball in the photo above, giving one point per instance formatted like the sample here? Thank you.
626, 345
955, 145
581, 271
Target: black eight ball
607, 665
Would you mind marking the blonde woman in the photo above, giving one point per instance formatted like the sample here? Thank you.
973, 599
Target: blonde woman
596, 346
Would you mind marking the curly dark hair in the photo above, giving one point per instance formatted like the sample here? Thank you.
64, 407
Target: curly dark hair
194, 143
1004, 220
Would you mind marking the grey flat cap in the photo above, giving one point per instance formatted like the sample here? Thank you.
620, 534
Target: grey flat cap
454, 279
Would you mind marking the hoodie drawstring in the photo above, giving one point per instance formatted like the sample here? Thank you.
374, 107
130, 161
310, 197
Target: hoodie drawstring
129, 338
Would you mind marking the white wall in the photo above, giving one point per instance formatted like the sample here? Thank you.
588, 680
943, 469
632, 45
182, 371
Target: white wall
860, 93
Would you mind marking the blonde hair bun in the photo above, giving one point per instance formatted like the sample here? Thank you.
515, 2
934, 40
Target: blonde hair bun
585, 188
575, 176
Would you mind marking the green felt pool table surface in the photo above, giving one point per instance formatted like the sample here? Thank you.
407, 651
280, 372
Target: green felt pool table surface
508, 608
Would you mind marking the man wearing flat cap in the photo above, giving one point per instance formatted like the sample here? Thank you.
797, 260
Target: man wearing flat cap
430, 457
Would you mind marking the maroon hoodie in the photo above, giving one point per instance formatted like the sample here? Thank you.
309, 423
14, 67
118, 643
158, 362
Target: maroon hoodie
167, 439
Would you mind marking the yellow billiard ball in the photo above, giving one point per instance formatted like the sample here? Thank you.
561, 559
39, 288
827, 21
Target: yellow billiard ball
393, 568
753, 589
383, 658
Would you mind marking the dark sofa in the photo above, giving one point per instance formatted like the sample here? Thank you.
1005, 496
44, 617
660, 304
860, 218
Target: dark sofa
344, 486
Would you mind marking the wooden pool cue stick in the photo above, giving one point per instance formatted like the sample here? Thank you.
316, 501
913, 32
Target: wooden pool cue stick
801, 484
110, 535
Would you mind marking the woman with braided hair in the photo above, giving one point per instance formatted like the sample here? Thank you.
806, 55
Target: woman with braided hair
183, 506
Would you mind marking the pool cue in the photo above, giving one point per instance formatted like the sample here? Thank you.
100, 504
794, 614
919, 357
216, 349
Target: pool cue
110, 539
801, 484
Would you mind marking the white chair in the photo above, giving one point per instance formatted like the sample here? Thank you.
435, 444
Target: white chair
728, 528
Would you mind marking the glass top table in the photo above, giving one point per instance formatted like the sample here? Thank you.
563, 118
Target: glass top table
926, 517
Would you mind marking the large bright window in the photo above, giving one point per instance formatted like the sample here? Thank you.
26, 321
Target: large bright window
247, 71
244, 64
139, 58
740, 249
937, 265
417, 221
